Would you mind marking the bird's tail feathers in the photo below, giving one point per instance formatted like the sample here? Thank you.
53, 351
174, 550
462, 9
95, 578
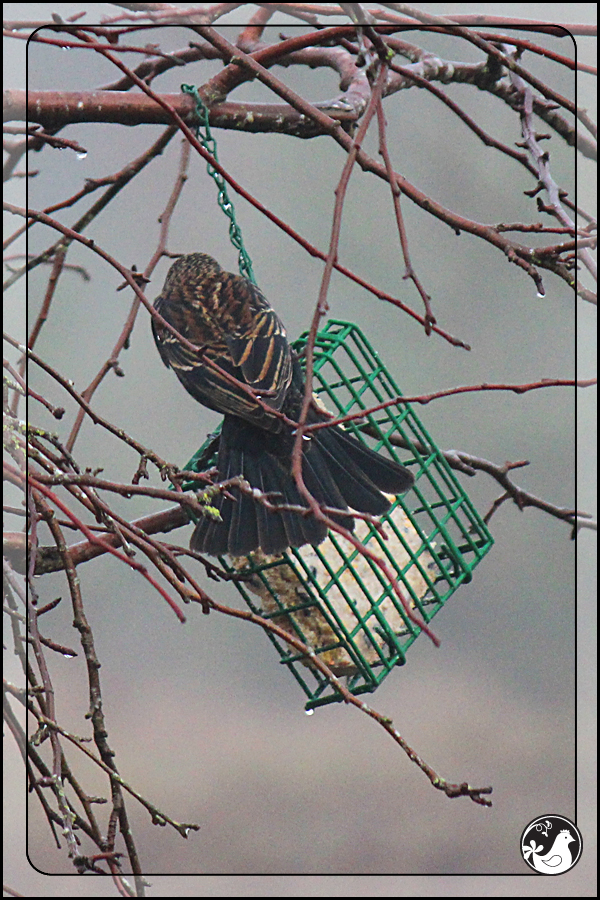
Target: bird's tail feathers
246, 522
339, 472
388, 476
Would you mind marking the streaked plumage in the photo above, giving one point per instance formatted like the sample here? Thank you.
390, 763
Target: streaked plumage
231, 320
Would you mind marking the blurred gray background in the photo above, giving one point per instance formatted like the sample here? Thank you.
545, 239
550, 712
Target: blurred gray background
204, 720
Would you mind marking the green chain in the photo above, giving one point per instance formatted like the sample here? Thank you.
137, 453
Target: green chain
204, 135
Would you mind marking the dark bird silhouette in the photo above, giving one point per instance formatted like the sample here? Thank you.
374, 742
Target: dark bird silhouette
230, 319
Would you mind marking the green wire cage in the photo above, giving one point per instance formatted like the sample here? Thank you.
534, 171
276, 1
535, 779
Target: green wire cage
332, 597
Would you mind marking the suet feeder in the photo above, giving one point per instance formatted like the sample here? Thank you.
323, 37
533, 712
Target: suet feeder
331, 597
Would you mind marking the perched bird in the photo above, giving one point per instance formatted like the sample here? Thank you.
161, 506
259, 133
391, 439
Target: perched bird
231, 321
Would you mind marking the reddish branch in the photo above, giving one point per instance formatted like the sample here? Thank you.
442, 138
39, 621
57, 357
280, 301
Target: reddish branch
518, 254
55, 501
233, 75
424, 399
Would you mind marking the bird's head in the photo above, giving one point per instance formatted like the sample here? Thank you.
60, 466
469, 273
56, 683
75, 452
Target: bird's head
194, 268
566, 835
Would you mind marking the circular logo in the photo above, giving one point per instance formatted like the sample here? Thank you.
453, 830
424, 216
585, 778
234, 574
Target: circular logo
551, 845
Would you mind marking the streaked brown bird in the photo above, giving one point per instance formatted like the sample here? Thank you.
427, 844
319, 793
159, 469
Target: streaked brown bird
230, 319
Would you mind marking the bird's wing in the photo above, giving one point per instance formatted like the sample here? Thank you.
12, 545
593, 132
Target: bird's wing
205, 384
256, 339
253, 350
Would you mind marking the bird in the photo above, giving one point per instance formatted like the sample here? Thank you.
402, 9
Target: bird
244, 356
557, 860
